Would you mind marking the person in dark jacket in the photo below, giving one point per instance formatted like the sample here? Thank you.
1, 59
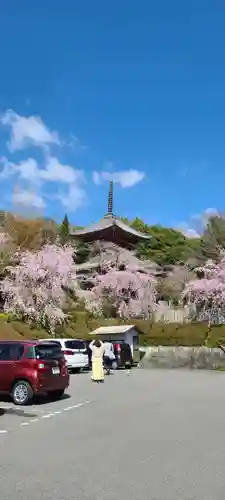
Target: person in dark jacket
126, 356
89, 356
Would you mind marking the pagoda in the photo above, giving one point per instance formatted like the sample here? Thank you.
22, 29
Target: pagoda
111, 229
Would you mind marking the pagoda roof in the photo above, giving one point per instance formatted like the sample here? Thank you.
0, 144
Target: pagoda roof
109, 221
110, 228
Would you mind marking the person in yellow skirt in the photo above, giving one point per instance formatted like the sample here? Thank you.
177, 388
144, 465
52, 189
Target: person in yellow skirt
97, 348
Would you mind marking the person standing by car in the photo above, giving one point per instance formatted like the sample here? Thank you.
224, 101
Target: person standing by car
97, 348
126, 356
109, 356
89, 351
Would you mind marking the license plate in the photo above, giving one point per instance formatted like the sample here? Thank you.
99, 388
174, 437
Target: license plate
56, 371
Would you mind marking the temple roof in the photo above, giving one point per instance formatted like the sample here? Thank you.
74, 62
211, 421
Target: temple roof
108, 225
109, 221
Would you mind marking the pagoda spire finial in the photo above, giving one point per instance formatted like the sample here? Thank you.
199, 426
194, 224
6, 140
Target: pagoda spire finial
110, 198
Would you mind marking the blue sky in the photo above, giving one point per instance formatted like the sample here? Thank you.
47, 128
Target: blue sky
94, 90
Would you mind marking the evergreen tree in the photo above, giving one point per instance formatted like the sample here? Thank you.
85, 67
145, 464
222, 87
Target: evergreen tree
64, 230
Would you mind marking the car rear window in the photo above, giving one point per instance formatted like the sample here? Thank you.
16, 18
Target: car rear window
48, 351
11, 352
79, 345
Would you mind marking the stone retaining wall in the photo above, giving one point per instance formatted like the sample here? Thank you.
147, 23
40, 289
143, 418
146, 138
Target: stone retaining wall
183, 357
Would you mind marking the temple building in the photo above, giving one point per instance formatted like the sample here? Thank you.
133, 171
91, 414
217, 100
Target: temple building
111, 229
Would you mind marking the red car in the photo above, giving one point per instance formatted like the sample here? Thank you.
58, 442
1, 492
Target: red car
29, 368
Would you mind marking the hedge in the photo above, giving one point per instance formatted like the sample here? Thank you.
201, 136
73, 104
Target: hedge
187, 334
80, 325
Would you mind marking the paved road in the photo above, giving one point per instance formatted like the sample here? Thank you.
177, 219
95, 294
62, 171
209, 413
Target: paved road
157, 435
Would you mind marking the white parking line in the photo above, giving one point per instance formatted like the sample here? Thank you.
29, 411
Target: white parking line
68, 408
48, 415
81, 404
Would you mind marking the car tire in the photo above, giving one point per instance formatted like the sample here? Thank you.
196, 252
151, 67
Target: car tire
56, 394
22, 393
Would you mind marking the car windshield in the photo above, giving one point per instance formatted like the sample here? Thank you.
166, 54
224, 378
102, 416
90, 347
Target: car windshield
48, 351
78, 345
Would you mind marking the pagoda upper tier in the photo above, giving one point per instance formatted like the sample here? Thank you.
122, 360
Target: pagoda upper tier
111, 228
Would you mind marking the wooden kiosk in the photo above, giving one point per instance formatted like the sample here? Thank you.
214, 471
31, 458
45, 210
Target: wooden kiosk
119, 333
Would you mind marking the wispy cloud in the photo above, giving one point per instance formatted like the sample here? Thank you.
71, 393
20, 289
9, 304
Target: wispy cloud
51, 171
27, 131
75, 144
27, 198
73, 198
125, 178
197, 223
189, 170
68, 181
39, 179
189, 232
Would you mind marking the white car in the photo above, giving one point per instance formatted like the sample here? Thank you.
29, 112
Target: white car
75, 352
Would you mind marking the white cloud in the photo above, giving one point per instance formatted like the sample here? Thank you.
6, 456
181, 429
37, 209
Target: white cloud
204, 216
53, 171
39, 182
58, 172
211, 211
73, 198
187, 229
197, 223
7, 168
27, 131
27, 199
126, 178
96, 177
191, 233
68, 182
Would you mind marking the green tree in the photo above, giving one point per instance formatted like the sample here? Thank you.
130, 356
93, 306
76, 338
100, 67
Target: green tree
82, 252
140, 225
213, 239
166, 245
64, 230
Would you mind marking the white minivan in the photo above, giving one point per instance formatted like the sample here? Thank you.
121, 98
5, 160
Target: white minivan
75, 352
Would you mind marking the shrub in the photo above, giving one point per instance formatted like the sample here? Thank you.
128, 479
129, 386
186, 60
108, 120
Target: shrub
216, 334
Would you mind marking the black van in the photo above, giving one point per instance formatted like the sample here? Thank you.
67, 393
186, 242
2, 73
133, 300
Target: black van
123, 354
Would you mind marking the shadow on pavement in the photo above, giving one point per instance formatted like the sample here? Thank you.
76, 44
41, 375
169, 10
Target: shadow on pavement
39, 401
47, 399
17, 412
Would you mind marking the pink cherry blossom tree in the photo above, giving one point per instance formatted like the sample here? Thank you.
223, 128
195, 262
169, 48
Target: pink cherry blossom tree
131, 293
207, 292
34, 289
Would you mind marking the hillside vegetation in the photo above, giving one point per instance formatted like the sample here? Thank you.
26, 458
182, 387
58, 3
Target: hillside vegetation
37, 256
193, 334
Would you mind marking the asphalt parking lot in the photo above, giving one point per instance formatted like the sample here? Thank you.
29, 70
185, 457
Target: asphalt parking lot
156, 435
